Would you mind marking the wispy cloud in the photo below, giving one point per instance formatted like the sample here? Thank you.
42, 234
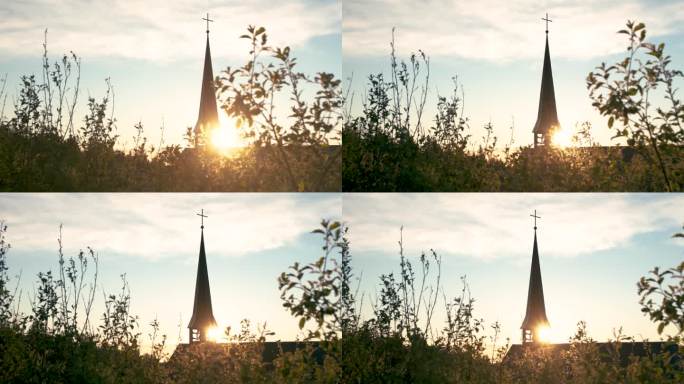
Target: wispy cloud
154, 226
494, 226
500, 29
157, 29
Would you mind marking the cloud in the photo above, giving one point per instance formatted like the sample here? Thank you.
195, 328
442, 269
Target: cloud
157, 29
155, 226
497, 30
494, 226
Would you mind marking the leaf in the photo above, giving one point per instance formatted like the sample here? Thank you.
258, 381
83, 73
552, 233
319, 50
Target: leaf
611, 121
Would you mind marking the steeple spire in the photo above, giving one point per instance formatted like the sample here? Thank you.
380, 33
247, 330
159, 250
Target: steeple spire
209, 20
208, 113
543, 18
547, 117
535, 315
202, 314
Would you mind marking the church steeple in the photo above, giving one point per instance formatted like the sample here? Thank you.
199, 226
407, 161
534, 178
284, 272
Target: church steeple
547, 117
535, 315
208, 113
202, 314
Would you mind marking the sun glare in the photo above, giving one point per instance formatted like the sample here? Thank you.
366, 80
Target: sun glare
214, 334
224, 138
544, 334
562, 137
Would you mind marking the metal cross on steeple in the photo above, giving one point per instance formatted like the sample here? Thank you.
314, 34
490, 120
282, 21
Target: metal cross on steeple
543, 18
202, 215
208, 20
535, 219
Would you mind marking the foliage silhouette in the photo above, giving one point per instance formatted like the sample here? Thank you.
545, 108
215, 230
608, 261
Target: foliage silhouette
628, 98
669, 286
250, 93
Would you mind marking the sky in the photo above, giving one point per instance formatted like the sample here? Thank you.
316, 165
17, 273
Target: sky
496, 49
153, 51
154, 239
593, 249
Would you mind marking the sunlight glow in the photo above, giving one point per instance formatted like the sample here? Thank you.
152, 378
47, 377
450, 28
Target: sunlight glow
225, 138
544, 334
214, 334
562, 137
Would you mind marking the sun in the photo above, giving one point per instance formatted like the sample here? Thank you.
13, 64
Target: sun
226, 138
544, 334
214, 334
562, 137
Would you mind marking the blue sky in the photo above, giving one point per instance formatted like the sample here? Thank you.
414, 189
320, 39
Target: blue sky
154, 50
496, 49
154, 239
593, 249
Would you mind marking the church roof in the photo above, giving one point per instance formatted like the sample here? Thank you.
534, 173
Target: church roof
626, 351
208, 113
547, 116
270, 350
202, 314
536, 310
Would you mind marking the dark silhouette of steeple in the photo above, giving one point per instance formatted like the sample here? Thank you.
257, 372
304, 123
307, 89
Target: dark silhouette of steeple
535, 315
202, 314
547, 117
208, 113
